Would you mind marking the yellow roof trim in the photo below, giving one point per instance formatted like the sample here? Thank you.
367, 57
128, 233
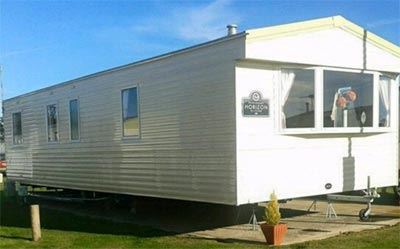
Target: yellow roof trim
322, 24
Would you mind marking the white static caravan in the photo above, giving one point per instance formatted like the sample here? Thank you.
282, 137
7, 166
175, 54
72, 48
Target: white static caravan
301, 109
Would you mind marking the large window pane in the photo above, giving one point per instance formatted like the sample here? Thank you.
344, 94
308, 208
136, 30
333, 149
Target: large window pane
52, 123
384, 101
130, 112
348, 99
17, 128
297, 98
74, 119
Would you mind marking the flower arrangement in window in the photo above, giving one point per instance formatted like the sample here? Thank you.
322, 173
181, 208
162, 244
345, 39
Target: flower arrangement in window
345, 97
344, 100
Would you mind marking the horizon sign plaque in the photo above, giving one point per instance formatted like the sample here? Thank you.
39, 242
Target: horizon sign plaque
255, 105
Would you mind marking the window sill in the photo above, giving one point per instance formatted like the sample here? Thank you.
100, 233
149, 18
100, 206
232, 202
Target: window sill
131, 139
53, 142
338, 131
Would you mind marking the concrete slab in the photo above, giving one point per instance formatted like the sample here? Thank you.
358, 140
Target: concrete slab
310, 226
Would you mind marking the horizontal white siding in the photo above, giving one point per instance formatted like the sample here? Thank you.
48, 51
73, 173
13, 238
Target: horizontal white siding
187, 145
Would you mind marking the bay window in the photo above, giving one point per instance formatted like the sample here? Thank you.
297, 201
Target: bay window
325, 99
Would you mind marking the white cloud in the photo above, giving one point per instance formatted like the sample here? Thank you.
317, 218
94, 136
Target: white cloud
205, 23
130, 39
384, 22
195, 23
191, 23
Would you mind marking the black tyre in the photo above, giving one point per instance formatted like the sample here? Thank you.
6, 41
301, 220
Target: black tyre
362, 215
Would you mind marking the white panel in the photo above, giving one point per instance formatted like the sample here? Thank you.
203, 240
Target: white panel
252, 132
332, 47
298, 166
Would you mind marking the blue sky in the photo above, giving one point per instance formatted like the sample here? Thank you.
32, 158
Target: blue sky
47, 42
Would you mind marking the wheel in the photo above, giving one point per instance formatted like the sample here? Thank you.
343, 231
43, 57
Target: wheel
362, 215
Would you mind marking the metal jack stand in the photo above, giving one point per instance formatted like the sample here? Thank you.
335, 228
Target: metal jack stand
368, 198
313, 204
330, 211
253, 219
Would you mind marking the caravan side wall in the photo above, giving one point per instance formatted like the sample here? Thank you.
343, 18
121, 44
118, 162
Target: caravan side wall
186, 148
315, 161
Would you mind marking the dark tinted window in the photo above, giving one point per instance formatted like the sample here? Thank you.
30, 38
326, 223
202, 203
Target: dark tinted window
348, 99
74, 119
297, 92
52, 123
17, 128
130, 112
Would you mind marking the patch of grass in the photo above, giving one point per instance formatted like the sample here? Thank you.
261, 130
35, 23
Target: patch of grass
13, 237
385, 238
20, 238
62, 229
65, 230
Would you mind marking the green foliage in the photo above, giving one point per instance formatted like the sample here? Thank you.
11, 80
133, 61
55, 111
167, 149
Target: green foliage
272, 214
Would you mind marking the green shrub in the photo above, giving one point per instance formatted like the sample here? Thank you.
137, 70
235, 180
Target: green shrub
272, 214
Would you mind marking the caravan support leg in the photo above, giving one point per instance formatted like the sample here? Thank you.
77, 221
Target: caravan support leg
313, 204
364, 213
253, 219
330, 211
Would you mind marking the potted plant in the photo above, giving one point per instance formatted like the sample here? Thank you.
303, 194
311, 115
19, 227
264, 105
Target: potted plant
273, 230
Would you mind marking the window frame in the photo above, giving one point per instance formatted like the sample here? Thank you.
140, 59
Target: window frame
47, 123
374, 104
12, 129
319, 104
279, 104
79, 120
130, 137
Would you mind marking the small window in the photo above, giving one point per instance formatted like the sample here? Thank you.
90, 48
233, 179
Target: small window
130, 112
74, 119
384, 101
52, 123
17, 128
348, 99
297, 98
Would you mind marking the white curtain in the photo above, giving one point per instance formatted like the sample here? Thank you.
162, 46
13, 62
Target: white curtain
384, 95
334, 109
286, 84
